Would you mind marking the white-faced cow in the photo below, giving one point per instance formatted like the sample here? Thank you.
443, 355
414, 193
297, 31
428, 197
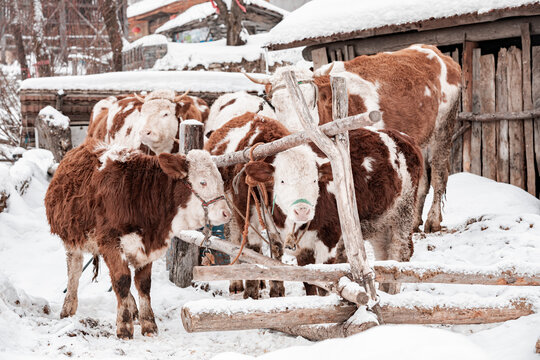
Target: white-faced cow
387, 167
231, 105
125, 206
149, 123
416, 90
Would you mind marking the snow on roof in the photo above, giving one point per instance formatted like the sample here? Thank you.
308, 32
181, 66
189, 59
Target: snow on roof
153, 39
197, 81
144, 6
201, 11
320, 18
187, 56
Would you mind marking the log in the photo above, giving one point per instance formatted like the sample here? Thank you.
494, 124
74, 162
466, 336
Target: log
223, 314
53, 136
487, 105
528, 127
476, 128
385, 272
536, 100
499, 115
185, 256
466, 98
250, 256
298, 138
515, 128
501, 106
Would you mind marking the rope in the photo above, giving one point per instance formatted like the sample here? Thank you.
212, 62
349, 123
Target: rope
292, 238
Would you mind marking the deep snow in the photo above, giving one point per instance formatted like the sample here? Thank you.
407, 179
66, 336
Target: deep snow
488, 224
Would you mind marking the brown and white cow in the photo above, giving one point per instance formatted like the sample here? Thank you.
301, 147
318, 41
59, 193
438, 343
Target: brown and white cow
149, 123
231, 105
387, 167
415, 89
125, 206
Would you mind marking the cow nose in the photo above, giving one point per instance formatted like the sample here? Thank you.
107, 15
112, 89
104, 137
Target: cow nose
145, 132
226, 214
302, 212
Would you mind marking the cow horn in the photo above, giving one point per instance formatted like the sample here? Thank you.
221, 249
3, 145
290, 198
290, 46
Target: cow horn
265, 81
179, 97
327, 71
138, 97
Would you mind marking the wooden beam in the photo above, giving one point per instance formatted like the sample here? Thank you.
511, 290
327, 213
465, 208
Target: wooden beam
487, 104
536, 100
385, 272
528, 128
515, 128
298, 138
476, 128
499, 116
319, 57
456, 157
501, 106
222, 314
467, 98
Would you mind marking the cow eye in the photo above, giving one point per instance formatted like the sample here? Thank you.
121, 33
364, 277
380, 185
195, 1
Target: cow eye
203, 182
166, 114
283, 182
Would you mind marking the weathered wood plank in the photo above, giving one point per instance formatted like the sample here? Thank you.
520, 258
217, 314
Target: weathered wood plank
456, 156
501, 105
476, 127
536, 101
528, 128
467, 98
515, 128
499, 116
487, 105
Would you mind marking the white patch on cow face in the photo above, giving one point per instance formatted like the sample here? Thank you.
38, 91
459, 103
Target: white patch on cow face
206, 181
296, 183
427, 92
282, 100
160, 125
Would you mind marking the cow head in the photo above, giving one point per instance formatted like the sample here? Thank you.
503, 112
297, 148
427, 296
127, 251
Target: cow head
158, 114
199, 174
281, 99
296, 177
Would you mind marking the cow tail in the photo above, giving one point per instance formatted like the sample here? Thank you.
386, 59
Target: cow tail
95, 262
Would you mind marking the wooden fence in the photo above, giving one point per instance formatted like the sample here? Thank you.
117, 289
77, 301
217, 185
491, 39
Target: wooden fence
502, 142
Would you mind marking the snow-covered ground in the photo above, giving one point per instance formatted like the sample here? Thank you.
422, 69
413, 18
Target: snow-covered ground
487, 224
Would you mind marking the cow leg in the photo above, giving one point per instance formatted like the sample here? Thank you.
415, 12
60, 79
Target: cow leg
121, 283
423, 189
277, 288
305, 257
143, 281
441, 145
252, 286
74, 270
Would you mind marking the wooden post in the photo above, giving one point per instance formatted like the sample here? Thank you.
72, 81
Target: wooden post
536, 101
62, 30
487, 105
501, 105
337, 152
457, 144
528, 105
476, 127
515, 128
319, 57
467, 101
52, 137
185, 256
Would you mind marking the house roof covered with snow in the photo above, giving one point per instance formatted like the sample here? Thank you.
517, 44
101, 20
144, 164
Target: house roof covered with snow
146, 6
198, 13
323, 21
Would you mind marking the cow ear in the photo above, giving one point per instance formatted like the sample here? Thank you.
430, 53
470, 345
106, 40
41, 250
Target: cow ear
325, 172
260, 171
175, 166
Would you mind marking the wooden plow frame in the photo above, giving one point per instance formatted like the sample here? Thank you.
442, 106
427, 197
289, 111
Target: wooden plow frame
353, 305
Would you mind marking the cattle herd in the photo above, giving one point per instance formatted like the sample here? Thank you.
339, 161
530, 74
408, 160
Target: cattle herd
126, 191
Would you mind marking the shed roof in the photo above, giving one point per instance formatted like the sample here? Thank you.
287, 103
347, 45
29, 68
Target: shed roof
322, 21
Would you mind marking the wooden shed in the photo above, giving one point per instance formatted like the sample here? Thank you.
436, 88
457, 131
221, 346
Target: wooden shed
496, 43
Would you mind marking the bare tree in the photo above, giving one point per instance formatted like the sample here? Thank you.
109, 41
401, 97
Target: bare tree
43, 58
16, 28
233, 20
109, 12
10, 107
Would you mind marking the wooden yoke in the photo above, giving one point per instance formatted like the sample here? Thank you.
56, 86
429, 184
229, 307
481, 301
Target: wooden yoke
337, 151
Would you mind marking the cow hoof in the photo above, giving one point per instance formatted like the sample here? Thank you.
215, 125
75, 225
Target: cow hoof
68, 309
149, 328
432, 226
124, 333
236, 287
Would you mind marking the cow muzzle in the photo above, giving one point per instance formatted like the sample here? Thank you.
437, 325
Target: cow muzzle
148, 136
219, 213
302, 211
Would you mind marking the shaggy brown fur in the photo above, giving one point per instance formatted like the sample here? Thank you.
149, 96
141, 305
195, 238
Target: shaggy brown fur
90, 210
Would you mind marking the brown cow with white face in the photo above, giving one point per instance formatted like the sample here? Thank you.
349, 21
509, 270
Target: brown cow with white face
416, 90
149, 123
387, 167
126, 206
